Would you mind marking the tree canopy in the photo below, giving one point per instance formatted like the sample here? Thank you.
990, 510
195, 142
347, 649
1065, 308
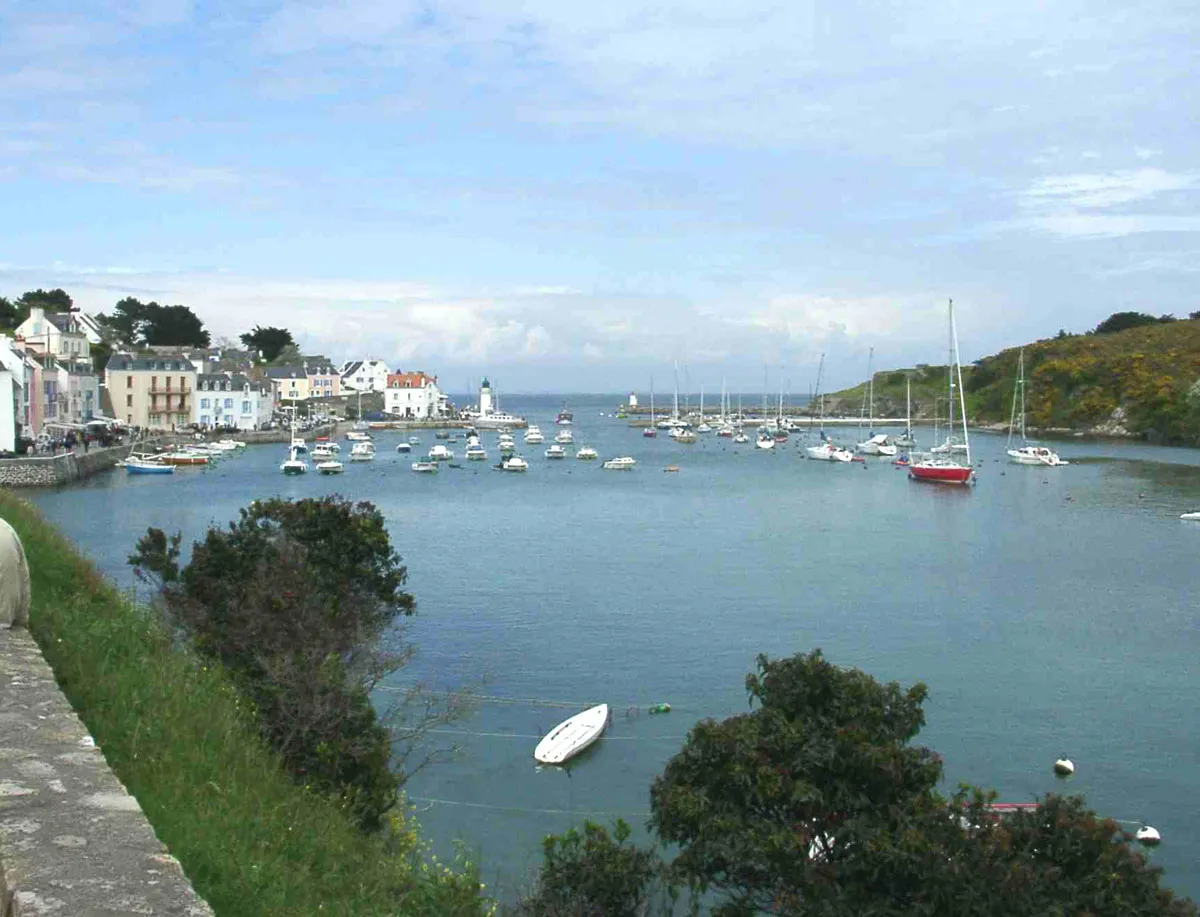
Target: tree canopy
300, 600
1121, 321
269, 342
13, 313
135, 323
816, 802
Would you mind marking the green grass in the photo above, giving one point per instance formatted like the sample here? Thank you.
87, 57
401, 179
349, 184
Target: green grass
177, 734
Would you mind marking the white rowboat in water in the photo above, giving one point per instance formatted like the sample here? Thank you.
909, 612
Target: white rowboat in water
572, 736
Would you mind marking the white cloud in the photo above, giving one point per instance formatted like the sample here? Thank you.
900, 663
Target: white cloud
1144, 152
1102, 190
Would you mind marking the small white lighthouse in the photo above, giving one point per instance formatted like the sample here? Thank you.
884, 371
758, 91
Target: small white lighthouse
485, 396
632, 400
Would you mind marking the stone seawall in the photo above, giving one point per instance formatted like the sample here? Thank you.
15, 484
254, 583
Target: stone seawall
52, 470
72, 839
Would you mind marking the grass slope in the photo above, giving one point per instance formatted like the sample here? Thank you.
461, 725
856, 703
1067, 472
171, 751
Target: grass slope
1145, 380
182, 741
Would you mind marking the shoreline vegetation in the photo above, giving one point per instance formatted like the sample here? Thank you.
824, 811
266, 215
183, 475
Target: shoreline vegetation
182, 740
1133, 377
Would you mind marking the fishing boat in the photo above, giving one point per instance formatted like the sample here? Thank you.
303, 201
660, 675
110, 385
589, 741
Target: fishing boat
1027, 453
586, 453
425, 467
330, 466
363, 452
624, 463
514, 463
935, 468
556, 452
564, 418
140, 465
572, 736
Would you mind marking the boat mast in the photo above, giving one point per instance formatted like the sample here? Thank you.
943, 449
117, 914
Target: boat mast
651, 401
702, 403
820, 369
1012, 417
675, 409
962, 395
871, 390
908, 406
1024, 438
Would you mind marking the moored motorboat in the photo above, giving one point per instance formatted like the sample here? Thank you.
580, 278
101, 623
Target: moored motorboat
425, 467
1191, 516
404, 447
877, 445
572, 736
476, 453
556, 452
533, 436
514, 463
440, 453
363, 452
329, 466
564, 437
586, 453
146, 466
623, 463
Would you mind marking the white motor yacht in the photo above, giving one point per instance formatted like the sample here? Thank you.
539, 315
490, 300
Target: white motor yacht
403, 447
363, 452
533, 436
564, 437
425, 467
556, 451
514, 463
476, 453
440, 453
414, 440
624, 463
330, 466
586, 453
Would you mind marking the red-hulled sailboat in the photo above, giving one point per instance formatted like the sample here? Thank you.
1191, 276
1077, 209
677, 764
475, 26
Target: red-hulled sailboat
945, 468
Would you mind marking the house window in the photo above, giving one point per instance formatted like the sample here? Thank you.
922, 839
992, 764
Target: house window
204, 403
129, 381
245, 407
128, 401
229, 404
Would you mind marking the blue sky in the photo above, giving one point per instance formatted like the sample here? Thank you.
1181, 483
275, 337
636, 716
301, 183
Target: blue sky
573, 196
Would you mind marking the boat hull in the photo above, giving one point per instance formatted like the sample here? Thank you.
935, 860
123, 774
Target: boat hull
148, 468
572, 736
940, 474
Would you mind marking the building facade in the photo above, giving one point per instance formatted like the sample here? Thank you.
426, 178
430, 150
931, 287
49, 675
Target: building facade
413, 396
364, 376
59, 334
310, 380
232, 400
12, 394
154, 391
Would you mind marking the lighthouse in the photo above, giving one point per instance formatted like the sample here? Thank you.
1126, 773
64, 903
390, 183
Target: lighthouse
632, 400
485, 397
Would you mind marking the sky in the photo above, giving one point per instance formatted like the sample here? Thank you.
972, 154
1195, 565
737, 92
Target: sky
577, 196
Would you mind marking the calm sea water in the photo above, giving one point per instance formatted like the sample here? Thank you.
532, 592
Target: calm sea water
1048, 611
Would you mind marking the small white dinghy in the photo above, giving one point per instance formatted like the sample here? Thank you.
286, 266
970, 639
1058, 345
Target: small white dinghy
1192, 516
572, 736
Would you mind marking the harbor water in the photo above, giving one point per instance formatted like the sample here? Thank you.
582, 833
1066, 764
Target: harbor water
1049, 611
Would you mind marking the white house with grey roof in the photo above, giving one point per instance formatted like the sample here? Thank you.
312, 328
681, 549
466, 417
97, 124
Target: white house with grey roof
364, 375
232, 400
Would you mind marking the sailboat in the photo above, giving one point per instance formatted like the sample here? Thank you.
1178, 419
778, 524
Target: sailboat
724, 428
1026, 454
781, 433
934, 468
906, 438
740, 436
826, 451
703, 427
876, 443
294, 464
650, 431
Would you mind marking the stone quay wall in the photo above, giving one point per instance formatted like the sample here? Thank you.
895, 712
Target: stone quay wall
52, 470
72, 839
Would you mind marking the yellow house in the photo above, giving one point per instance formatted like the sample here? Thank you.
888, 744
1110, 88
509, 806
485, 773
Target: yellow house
154, 391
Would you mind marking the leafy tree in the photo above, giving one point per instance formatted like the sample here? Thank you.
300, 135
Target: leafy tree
301, 601
290, 355
135, 323
11, 314
1194, 315
816, 803
588, 873
100, 354
268, 341
56, 300
1122, 321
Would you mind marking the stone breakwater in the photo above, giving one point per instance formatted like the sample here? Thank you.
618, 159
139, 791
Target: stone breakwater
72, 839
52, 470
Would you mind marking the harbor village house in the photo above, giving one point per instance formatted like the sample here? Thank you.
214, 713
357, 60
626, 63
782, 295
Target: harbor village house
413, 396
152, 391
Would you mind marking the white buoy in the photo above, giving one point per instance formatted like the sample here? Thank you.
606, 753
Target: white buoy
1064, 766
1148, 836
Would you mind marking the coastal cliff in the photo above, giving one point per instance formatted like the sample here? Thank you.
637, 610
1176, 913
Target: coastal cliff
1142, 382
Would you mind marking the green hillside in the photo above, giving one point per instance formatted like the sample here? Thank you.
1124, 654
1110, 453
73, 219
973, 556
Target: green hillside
1144, 381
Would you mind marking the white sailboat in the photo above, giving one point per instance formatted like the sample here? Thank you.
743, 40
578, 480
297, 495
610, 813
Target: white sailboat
826, 450
703, 427
1026, 453
650, 431
875, 444
906, 438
